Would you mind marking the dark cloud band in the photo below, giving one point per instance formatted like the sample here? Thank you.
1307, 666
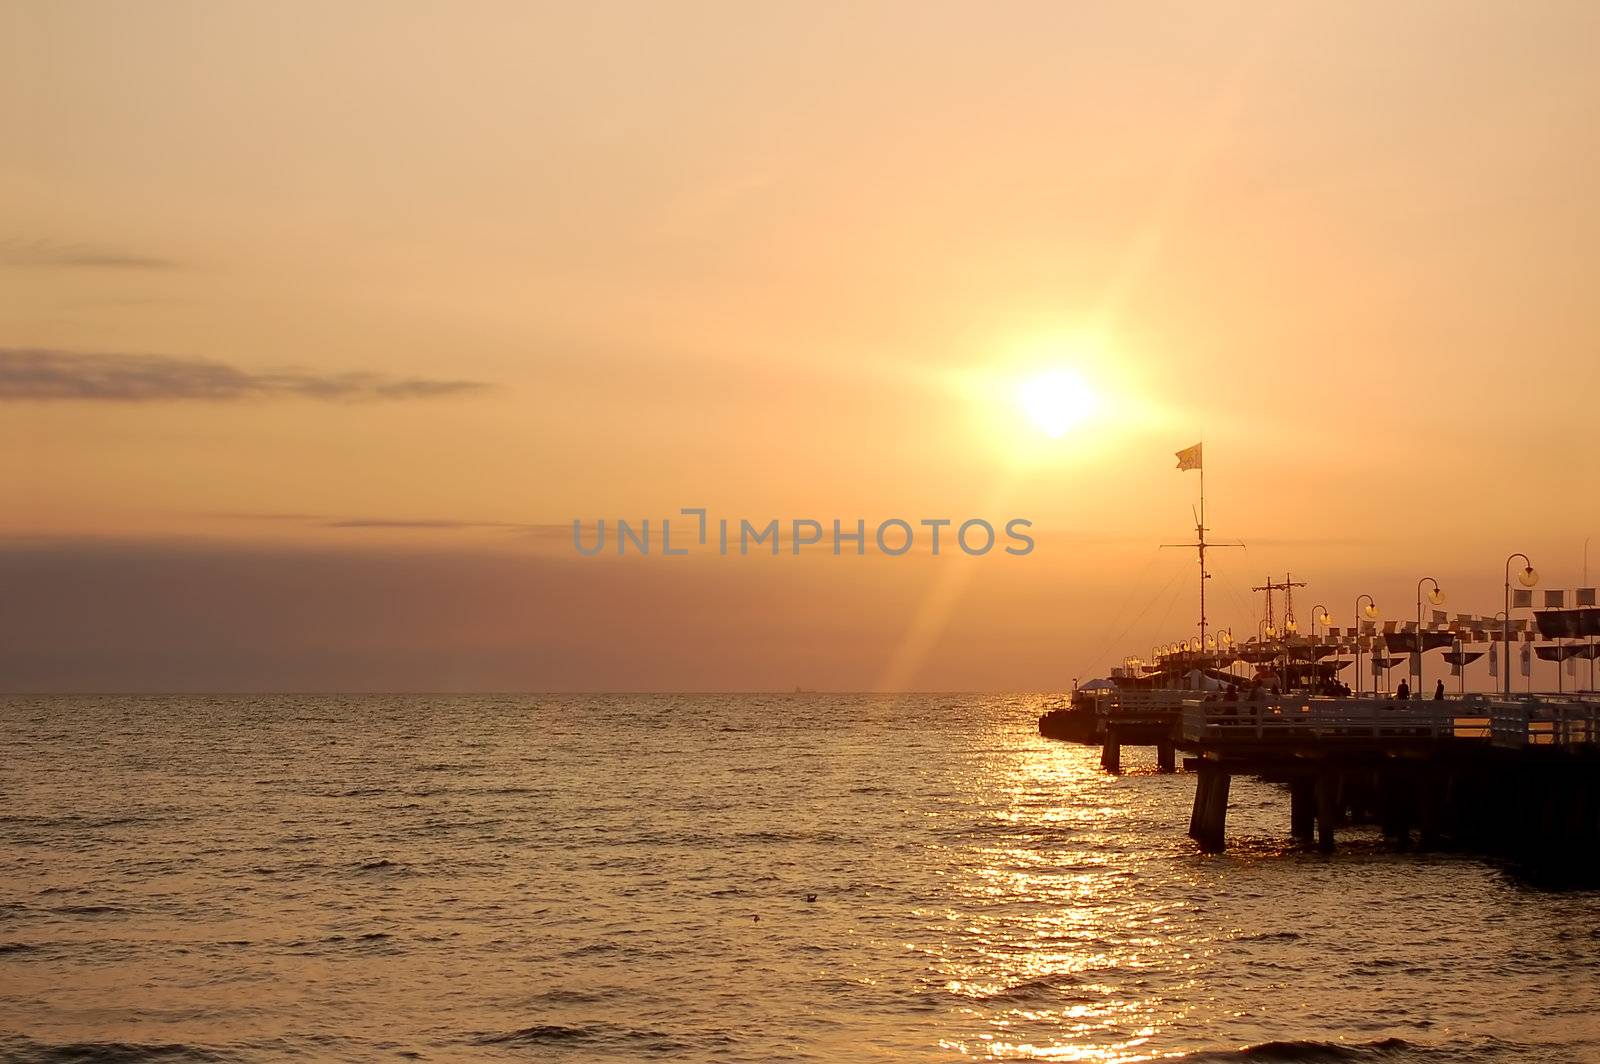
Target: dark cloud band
43, 374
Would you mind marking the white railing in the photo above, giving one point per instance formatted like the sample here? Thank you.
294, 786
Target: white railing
1136, 702
1546, 722
1508, 724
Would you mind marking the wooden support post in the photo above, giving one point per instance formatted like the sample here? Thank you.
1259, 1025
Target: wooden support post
1394, 813
1202, 792
1327, 809
1214, 816
1428, 802
1303, 810
1111, 752
1166, 756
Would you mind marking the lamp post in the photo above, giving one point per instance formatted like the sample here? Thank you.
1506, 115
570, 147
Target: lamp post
1319, 615
1371, 613
1527, 578
1290, 628
1435, 596
1264, 632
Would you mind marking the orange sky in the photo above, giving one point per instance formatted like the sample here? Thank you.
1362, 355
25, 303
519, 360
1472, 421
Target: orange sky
778, 261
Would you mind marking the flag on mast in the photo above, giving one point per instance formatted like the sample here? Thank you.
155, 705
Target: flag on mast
1189, 458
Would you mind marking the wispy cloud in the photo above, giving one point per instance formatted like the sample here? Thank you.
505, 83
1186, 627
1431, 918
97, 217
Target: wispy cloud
51, 253
44, 374
399, 523
383, 522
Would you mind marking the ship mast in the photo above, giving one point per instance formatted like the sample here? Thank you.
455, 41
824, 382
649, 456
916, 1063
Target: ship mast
1199, 545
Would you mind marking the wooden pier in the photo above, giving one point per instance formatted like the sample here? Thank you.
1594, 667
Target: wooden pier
1519, 778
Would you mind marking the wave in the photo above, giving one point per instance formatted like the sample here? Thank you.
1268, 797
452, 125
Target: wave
1270, 936
555, 1034
89, 910
1296, 1051
1052, 986
26, 1051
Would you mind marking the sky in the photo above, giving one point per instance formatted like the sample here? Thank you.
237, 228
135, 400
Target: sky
321, 324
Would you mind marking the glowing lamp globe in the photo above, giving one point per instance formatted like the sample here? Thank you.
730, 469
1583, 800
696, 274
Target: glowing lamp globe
1436, 596
1371, 610
1528, 577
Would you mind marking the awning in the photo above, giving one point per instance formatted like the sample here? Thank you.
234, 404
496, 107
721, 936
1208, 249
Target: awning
1406, 642
1562, 653
1568, 624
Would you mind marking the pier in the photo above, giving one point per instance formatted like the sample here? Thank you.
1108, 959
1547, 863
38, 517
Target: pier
1518, 778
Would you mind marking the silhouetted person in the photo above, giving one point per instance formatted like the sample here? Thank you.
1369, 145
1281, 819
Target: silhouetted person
1403, 692
1438, 691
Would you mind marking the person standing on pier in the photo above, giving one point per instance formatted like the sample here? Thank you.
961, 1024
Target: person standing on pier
1438, 691
1404, 691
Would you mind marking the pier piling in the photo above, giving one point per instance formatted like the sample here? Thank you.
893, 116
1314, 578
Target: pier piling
1327, 809
1209, 819
1303, 810
1111, 752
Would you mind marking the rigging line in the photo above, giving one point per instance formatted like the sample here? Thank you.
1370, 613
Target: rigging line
1101, 653
1171, 602
1127, 601
1240, 603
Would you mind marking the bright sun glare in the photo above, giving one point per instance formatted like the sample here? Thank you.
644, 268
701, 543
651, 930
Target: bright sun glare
1057, 400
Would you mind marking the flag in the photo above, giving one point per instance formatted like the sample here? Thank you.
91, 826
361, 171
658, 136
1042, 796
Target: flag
1189, 458
1555, 600
1440, 617
1455, 658
1527, 659
1585, 596
1521, 598
1416, 666
1494, 659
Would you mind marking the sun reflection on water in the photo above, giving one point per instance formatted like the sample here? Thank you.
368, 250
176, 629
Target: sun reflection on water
1046, 934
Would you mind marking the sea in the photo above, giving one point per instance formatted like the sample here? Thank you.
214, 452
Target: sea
718, 878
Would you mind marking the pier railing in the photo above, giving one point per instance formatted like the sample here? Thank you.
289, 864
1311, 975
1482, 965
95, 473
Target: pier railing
1515, 724
1546, 722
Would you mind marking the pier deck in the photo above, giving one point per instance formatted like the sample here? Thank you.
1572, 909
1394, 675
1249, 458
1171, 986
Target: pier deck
1519, 777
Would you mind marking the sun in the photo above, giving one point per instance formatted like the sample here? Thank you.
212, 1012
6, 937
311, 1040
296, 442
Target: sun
1056, 401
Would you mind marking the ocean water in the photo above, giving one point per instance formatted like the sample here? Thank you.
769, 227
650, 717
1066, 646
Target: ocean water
728, 878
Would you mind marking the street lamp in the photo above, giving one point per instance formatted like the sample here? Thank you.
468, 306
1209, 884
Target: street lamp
1319, 615
1435, 596
1527, 578
1370, 610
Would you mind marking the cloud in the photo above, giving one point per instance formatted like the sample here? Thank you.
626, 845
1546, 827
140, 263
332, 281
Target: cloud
312, 520
50, 253
382, 522
43, 374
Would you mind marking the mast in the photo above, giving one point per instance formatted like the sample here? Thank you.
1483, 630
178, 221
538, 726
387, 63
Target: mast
1189, 458
1200, 545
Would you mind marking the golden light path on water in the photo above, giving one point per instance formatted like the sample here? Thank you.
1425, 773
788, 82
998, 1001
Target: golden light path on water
1057, 938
